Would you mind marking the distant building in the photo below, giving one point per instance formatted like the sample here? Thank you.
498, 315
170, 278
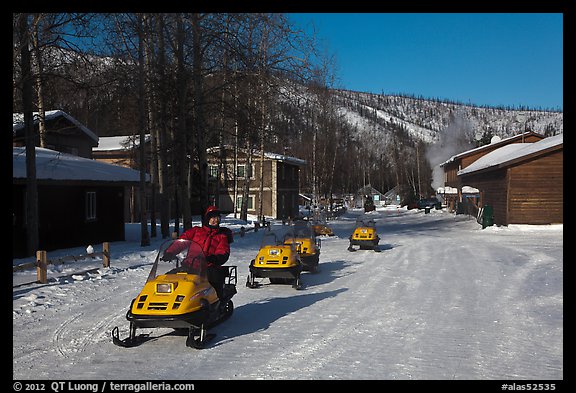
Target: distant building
523, 182
281, 181
63, 133
124, 150
377, 197
120, 150
452, 189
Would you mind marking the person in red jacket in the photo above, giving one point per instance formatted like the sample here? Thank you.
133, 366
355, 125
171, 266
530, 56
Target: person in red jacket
215, 242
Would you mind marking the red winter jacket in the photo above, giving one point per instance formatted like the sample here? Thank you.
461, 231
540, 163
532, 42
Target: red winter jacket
214, 242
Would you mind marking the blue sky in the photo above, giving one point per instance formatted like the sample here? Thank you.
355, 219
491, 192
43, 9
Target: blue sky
483, 59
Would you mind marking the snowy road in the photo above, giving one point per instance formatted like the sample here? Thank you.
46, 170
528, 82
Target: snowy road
443, 300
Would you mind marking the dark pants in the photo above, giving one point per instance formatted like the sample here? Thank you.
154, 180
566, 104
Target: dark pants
216, 276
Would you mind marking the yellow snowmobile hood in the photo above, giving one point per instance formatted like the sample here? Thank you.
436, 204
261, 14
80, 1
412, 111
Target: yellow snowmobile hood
364, 233
174, 294
276, 257
304, 245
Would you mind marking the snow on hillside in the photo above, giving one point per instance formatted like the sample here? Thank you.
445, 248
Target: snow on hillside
425, 118
362, 123
444, 299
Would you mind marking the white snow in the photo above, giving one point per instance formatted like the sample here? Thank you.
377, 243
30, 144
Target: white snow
115, 143
18, 121
511, 152
444, 300
55, 165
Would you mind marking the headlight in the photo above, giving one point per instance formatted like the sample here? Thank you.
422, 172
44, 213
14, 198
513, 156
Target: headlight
163, 288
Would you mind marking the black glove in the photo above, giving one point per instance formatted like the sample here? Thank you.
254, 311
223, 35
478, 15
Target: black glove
168, 256
217, 259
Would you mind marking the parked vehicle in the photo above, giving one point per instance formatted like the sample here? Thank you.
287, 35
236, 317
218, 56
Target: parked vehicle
278, 260
364, 235
430, 203
321, 228
307, 245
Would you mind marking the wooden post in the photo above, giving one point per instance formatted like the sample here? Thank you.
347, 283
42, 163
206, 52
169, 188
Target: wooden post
106, 254
41, 267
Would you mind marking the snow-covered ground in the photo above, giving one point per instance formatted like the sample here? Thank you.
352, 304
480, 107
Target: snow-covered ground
444, 300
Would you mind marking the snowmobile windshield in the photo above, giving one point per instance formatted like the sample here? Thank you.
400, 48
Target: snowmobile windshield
289, 239
319, 218
181, 255
269, 239
365, 223
303, 231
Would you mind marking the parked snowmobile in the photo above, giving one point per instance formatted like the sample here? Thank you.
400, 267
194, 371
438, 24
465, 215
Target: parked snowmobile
320, 226
177, 295
364, 235
307, 245
277, 260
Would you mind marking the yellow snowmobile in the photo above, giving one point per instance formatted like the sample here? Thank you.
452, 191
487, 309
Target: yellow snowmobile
277, 260
364, 236
307, 245
177, 295
320, 226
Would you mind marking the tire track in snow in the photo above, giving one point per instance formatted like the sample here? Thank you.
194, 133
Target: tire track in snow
72, 336
335, 322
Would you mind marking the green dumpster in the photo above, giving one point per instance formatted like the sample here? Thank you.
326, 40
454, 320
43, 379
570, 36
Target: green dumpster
487, 216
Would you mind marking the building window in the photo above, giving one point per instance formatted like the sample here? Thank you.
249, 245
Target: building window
212, 171
250, 202
241, 171
90, 205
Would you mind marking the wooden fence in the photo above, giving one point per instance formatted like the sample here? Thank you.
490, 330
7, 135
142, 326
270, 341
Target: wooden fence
42, 262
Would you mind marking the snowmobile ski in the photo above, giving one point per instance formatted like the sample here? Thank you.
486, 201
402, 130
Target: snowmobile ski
197, 338
130, 341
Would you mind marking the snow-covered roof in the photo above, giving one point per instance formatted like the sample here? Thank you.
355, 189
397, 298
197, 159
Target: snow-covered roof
272, 156
18, 121
123, 142
483, 147
447, 190
508, 153
54, 165
470, 190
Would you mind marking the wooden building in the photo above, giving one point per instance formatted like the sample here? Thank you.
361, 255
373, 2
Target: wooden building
121, 150
522, 182
80, 201
124, 150
63, 133
281, 181
368, 191
462, 160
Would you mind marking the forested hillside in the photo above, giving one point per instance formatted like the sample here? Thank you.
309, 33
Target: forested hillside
192, 81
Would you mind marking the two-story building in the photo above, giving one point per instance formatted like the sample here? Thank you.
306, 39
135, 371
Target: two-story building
281, 181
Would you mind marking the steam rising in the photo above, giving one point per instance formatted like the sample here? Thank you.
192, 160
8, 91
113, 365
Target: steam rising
454, 139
